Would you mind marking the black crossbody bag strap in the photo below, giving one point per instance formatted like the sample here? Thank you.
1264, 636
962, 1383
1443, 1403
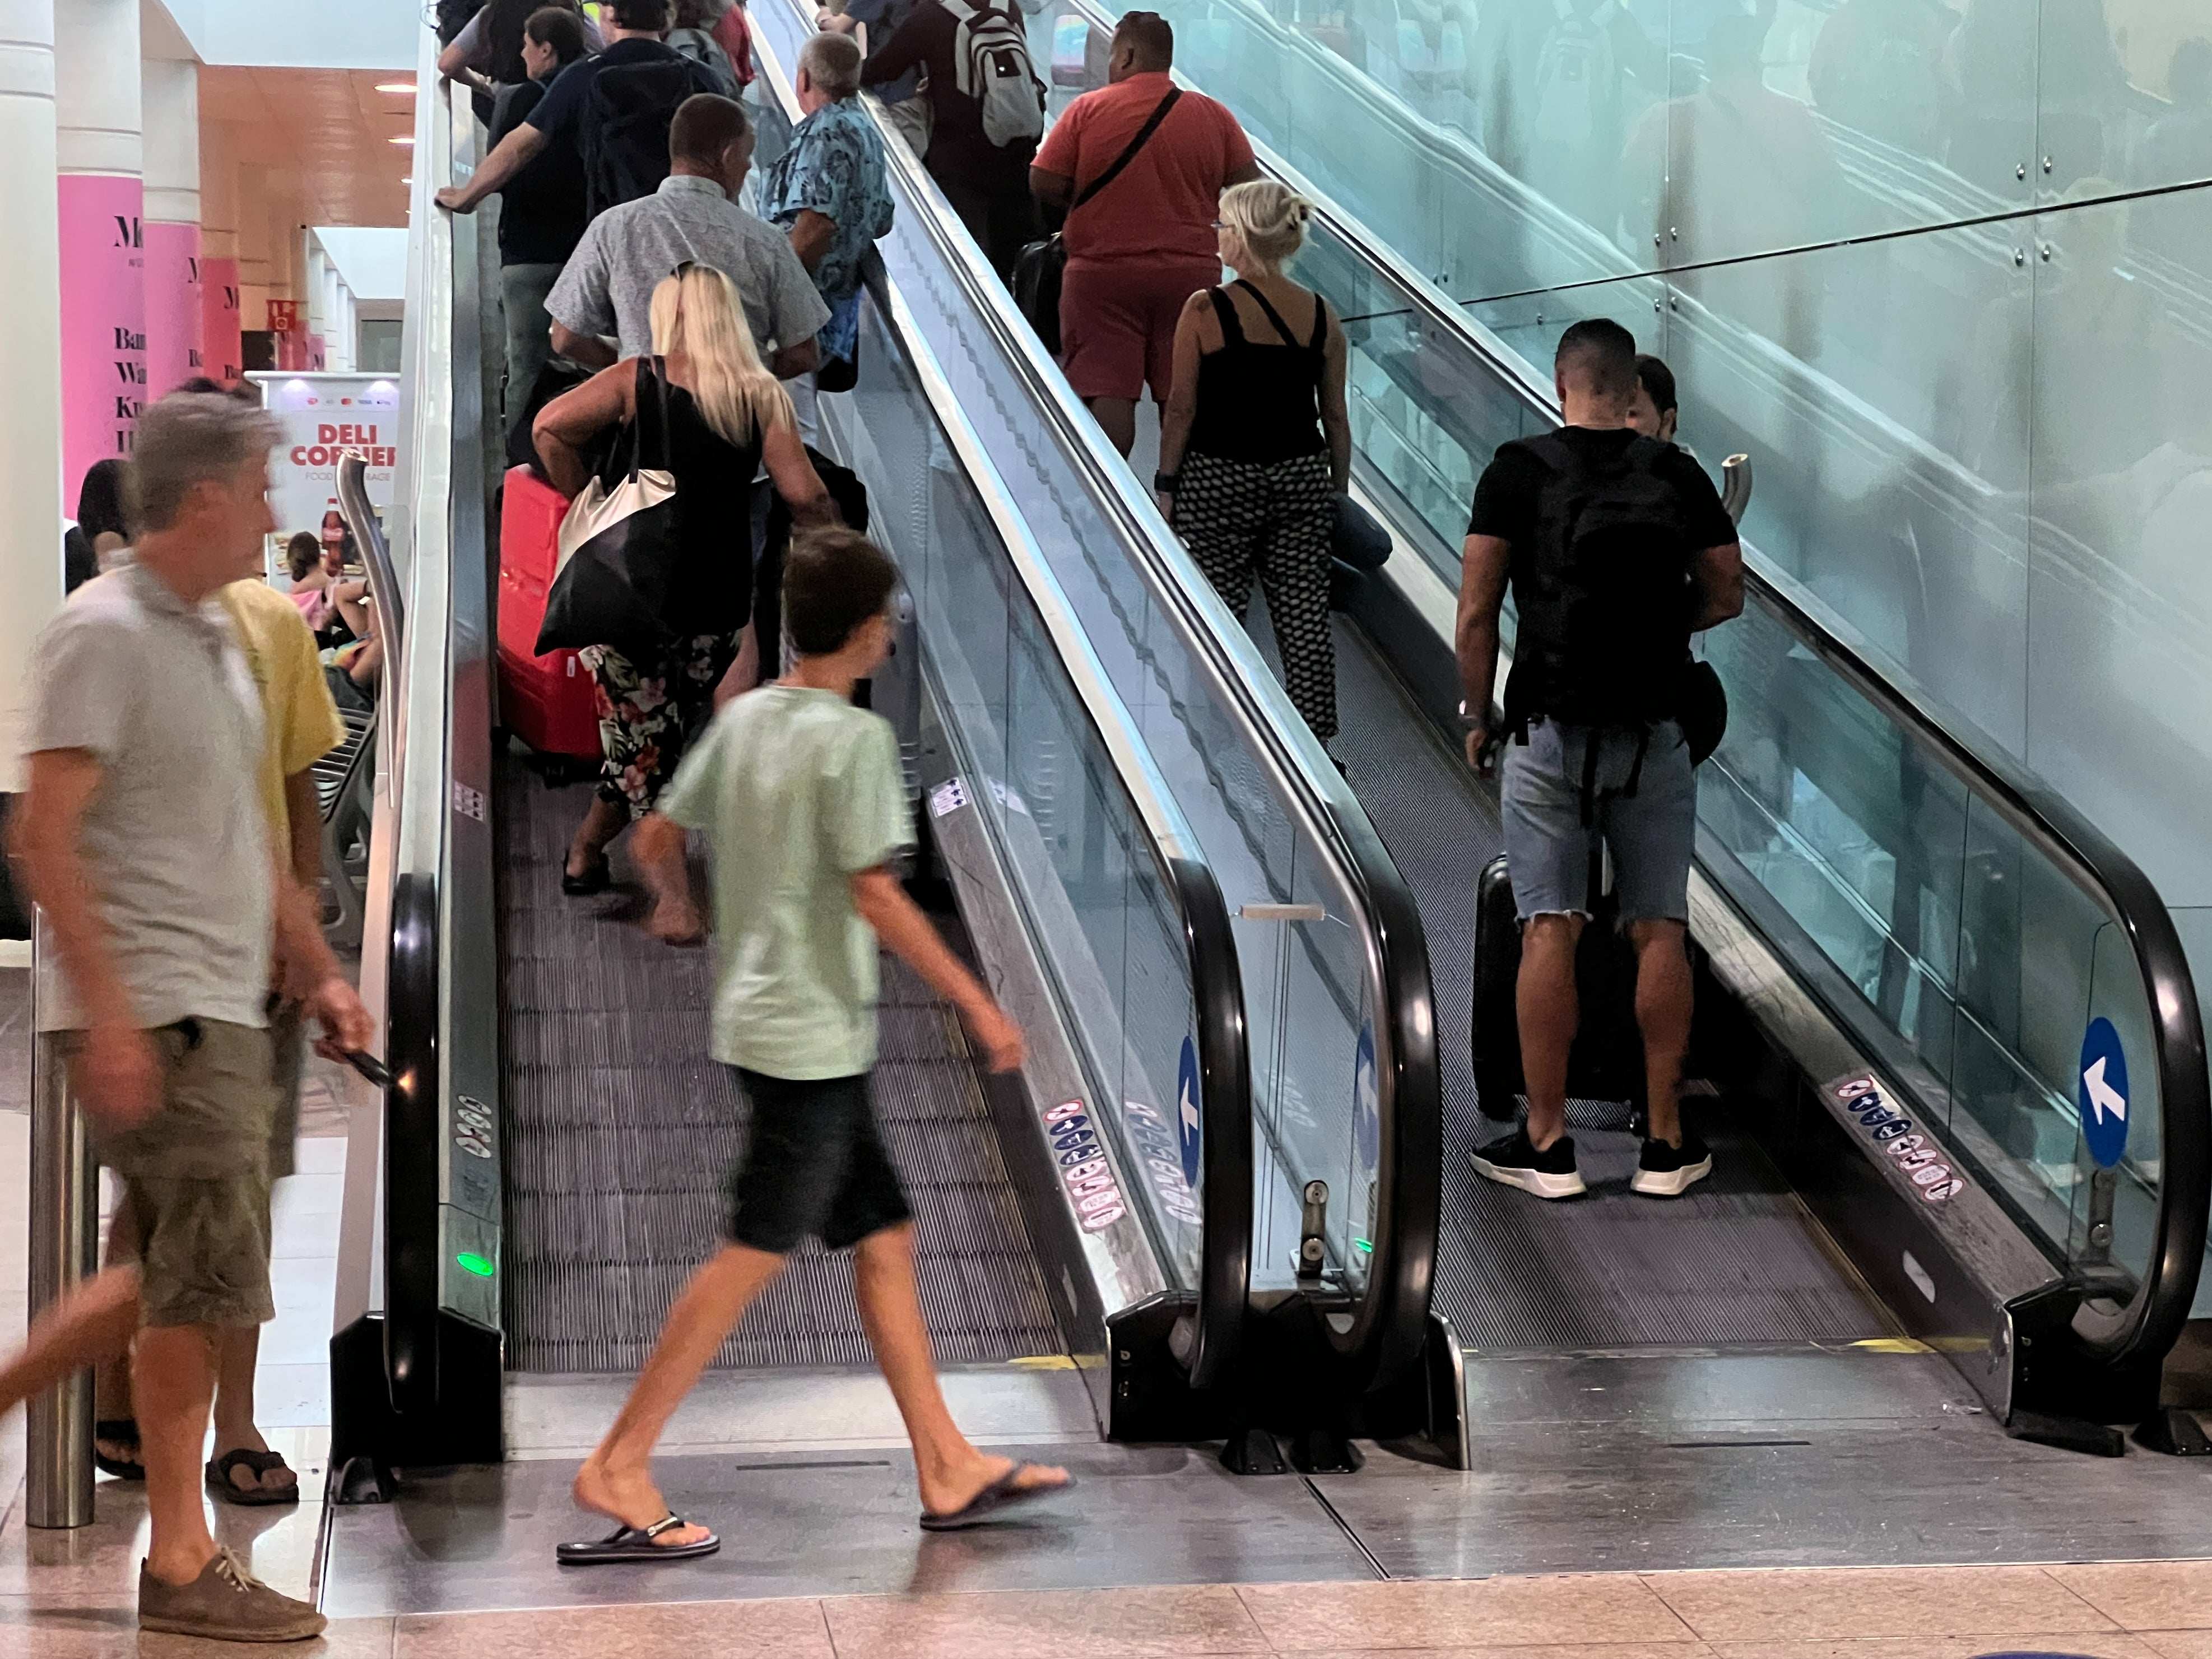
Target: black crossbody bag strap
1144, 136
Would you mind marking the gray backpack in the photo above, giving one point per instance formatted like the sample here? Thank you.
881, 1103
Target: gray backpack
990, 64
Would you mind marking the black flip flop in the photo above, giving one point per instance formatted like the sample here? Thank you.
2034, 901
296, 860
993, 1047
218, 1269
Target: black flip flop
220, 1484
636, 1544
1001, 1494
117, 1428
596, 878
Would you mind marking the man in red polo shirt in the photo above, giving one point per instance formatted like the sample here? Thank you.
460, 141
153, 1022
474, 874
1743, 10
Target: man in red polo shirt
1139, 248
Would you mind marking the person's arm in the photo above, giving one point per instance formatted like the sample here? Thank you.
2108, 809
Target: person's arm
512, 154
795, 477
1485, 564
1718, 576
572, 420
907, 48
796, 313
1054, 191
1242, 175
1335, 417
312, 973
592, 350
303, 813
1182, 407
119, 1074
904, 930
791, 361
351, 599
812, 235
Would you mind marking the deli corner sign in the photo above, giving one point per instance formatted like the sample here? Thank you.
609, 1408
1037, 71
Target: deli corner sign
327, 417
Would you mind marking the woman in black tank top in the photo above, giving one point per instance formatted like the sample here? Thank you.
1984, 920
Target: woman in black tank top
705, 409
1255, 445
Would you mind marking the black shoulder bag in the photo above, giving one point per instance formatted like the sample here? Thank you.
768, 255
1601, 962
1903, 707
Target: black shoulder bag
1040, 266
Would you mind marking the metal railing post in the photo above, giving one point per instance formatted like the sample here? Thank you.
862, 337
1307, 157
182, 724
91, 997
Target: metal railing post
64, 1243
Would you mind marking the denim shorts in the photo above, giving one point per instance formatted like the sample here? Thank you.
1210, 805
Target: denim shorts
814, 1168
1651, 834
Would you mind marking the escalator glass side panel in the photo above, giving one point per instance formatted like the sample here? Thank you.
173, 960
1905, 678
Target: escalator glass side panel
1310, 976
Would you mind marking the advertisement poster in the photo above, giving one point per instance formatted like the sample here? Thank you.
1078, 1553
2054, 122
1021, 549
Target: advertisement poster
224, 347
176, 319
325, 417
103, 320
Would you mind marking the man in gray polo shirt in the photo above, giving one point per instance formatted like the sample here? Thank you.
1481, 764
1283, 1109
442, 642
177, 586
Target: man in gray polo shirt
628, 251
143, 835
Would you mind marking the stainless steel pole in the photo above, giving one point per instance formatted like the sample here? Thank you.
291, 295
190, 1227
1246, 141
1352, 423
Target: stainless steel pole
64, 1243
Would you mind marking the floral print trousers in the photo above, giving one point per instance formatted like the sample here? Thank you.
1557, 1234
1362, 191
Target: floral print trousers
648, 711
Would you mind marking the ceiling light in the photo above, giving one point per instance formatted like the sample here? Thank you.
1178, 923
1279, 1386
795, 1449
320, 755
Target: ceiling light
401, 88
405, 141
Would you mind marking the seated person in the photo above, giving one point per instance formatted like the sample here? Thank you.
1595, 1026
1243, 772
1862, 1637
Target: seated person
311, 582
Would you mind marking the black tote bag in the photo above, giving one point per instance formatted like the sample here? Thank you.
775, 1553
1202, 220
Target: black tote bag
619, 547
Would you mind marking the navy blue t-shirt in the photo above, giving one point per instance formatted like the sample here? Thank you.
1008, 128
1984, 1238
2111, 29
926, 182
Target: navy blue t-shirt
562, 107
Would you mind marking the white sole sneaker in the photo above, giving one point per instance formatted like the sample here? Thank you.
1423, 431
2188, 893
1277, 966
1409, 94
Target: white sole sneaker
1530, 1181
1670, 1183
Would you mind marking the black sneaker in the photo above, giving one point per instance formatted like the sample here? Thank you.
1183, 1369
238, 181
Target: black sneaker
1548, 1174
1664, 1171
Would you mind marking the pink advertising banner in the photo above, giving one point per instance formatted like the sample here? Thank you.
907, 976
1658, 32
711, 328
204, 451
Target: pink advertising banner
176, 322
224, 344
103, 320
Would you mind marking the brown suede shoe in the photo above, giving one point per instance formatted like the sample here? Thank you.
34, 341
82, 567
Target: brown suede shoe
225, 1603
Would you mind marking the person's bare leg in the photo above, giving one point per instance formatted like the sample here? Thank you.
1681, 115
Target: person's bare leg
601, 825
616, 1478
1549, 1013
173, 1378
1117, 419
950, 1471
111, 1377
238, 1354
91, 1326
1664, 999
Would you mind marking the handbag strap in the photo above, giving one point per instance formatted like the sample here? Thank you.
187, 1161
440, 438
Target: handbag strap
1144, 136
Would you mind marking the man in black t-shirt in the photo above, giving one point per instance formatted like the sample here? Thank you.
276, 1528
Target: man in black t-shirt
542, 213
1617, 550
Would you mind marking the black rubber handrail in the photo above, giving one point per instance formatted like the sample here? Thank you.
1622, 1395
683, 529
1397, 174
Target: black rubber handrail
2148, 1326
1389, 1322
1224, 1081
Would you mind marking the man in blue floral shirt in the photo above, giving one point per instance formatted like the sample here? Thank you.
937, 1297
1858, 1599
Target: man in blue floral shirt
828, 192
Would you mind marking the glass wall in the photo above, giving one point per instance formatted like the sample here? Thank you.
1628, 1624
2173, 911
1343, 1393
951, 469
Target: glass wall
1944, 271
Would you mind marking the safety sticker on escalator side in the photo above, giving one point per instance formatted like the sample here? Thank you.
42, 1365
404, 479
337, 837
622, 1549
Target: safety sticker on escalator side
1084, 1170
1895, 1135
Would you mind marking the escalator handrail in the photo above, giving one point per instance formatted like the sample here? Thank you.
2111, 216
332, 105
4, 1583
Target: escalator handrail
1220, 1036
2155, 1314
1390, 1324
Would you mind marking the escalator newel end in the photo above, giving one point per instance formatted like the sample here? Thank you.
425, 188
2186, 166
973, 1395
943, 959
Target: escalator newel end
2173, 1432
2067, 1433
1253, 1451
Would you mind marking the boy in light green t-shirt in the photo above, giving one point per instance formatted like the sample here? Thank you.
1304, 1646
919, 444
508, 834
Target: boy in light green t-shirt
801, 797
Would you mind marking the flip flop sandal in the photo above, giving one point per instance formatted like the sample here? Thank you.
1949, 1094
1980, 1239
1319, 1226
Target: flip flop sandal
117, 1428
220, 1484
596, 878
636, 1544
1001, 1494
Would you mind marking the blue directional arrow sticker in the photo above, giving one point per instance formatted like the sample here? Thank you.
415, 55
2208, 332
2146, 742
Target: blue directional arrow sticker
1366, 1109
2103, 1097
1189, 1128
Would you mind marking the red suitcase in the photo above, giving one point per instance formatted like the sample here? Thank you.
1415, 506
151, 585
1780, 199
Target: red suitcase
547, 701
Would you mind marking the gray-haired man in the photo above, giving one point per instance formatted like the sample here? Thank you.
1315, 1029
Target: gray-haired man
143, 835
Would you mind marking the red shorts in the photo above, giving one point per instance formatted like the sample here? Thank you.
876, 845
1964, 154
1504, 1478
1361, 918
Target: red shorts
1117, 322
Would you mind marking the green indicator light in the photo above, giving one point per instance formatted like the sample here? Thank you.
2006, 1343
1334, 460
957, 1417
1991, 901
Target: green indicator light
469, 1263
1362, 1244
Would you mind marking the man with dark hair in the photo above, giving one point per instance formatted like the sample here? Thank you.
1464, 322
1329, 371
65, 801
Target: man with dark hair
987, 114
144, 836
1144, 242
801, 799
607, 288
1617, 550
1654, 411
615, 106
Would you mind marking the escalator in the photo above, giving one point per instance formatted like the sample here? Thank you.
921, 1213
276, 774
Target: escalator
1905, 942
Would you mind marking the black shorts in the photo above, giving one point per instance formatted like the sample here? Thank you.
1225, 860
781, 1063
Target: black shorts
815, 1166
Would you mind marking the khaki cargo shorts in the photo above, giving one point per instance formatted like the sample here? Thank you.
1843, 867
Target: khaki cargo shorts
196, 1174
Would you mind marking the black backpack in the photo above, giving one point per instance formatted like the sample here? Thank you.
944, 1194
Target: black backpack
625, 127
1602, 591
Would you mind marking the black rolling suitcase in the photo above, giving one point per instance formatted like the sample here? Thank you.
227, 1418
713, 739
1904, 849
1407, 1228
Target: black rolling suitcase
1607, 1063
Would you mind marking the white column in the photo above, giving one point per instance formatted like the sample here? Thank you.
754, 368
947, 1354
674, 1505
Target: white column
101, 203
176, 320
30, 361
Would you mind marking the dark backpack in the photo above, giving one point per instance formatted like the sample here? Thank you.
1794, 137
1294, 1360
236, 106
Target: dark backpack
1601, 592
625, 127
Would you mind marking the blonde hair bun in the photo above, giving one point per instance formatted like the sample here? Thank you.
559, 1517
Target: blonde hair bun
1268, 218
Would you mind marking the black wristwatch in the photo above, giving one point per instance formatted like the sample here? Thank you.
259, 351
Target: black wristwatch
1164, 483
